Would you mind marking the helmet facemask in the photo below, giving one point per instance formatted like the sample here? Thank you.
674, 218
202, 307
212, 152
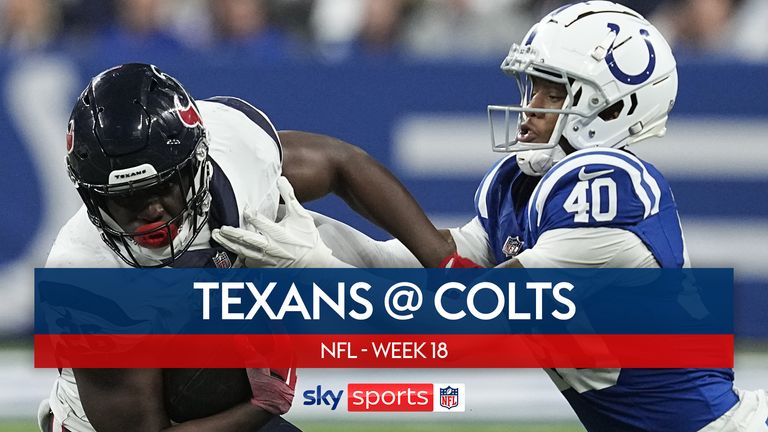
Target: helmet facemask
534, 158
161, 243
518, 64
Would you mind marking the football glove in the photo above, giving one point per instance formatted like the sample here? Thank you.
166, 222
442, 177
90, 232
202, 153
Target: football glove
271, 391
294, 241
455, 260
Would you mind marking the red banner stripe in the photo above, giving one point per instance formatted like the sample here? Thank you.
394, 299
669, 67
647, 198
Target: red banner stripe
385, 351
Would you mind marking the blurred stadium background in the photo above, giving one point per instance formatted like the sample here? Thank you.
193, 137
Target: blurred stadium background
407, 80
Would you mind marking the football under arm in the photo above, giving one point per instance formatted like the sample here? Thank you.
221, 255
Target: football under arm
132, 400
317, 165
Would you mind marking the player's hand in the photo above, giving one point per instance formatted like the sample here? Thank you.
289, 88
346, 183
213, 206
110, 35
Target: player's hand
287, 375
272, 388
272, 392
292, 242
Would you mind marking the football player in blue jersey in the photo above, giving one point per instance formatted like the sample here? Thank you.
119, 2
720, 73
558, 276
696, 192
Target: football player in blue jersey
594, 78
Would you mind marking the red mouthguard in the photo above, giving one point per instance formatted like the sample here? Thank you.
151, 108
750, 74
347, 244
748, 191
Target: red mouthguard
156, 239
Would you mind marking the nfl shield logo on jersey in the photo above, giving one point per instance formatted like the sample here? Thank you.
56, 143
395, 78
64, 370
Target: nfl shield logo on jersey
449, 397
221, 260
512, 246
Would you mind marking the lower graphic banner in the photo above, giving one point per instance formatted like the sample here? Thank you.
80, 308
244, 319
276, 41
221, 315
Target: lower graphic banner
389, 318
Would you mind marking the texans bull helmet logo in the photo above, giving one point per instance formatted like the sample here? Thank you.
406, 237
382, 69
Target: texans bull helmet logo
189, 115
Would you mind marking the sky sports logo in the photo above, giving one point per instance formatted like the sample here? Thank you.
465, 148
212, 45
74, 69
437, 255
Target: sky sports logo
438, 397
392, 397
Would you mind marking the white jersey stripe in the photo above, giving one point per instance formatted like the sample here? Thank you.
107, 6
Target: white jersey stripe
647, 177
654, 189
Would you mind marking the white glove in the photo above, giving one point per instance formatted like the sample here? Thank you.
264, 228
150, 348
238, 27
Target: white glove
292, 242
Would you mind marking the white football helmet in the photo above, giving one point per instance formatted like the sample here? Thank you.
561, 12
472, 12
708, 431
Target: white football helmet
610, 59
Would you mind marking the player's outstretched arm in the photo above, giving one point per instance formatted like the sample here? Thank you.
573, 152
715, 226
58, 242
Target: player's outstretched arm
317, 165
132, 400
585, 248
513, 263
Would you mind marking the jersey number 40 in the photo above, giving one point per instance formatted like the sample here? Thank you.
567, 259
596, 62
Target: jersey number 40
598, 190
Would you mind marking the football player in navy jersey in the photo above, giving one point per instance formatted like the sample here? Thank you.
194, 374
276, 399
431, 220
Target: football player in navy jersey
594, 78
159, 174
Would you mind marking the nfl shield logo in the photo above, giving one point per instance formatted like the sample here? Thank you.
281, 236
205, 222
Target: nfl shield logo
512, 246
221, 260
449, 397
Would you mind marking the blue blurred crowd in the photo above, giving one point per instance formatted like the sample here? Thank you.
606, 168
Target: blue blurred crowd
265, 31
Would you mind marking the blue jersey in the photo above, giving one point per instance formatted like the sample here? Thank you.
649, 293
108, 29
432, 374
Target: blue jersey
609, 188
500, 202
606, 188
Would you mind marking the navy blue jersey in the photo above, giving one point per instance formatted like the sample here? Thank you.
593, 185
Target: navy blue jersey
606, 188
500, 202
223, 212
224, 207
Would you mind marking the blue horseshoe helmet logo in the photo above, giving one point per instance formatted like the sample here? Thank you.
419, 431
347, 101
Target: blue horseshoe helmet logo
620, 74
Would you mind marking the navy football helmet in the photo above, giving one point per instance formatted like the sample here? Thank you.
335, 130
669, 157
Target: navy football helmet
135, 132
